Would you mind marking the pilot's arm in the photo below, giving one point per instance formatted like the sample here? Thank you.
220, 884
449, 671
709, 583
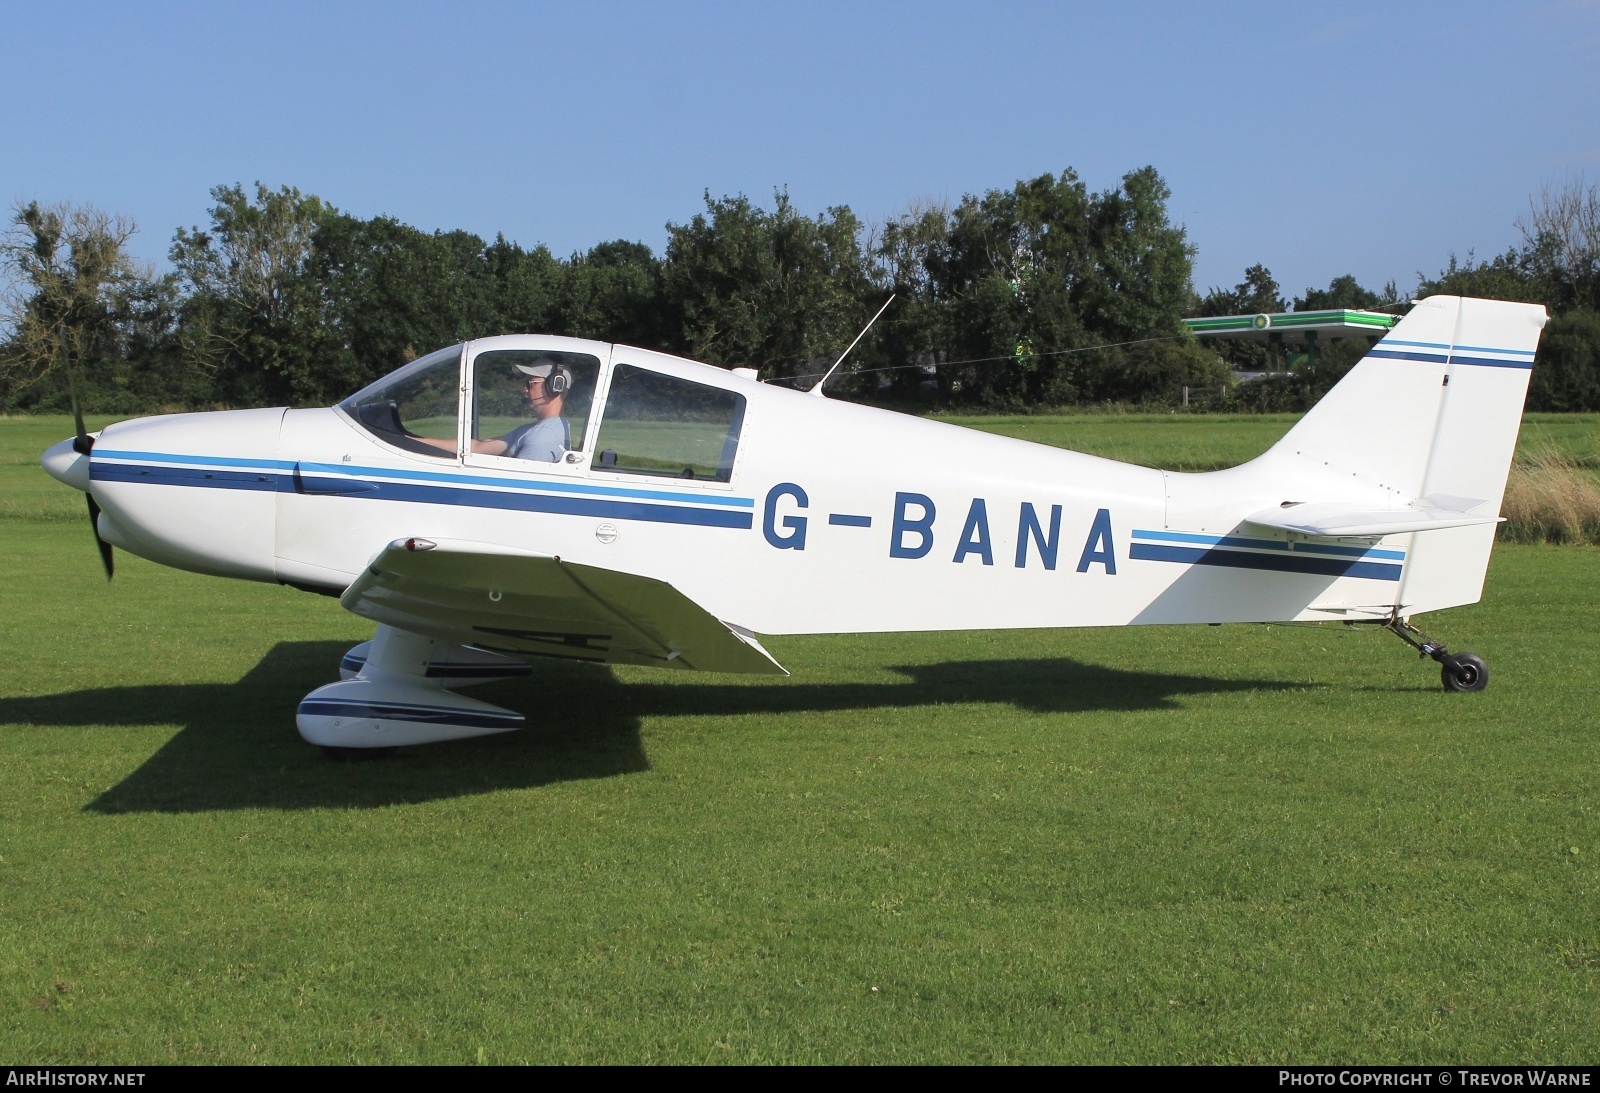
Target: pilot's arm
543, 441
492, 446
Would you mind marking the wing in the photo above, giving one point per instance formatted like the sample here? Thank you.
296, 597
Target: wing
1333, 520
522, 602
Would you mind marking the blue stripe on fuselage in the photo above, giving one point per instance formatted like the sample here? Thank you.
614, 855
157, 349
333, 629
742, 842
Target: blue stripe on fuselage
527, 484
1299, 546
1282, 563
413, 492
346, 469
155, 475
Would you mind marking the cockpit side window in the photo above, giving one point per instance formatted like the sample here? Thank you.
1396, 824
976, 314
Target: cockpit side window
414, 408
661, 425
532, 404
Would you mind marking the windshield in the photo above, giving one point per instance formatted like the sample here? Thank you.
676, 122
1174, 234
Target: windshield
414, 408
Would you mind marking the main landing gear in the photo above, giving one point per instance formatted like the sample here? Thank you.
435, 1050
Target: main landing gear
395, 690
1458, 671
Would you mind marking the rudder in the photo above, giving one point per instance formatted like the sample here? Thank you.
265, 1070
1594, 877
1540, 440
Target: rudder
1489, 362
1427, 419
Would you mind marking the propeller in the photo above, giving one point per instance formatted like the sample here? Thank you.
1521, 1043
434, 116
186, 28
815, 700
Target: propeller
105, 547
83, 444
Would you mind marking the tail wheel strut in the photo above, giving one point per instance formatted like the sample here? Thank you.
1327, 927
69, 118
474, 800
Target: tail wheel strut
1465, 672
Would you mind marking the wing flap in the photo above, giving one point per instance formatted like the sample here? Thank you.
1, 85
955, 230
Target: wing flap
1337, 520
530, 603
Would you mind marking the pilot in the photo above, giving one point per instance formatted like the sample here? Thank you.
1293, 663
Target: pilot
547, 437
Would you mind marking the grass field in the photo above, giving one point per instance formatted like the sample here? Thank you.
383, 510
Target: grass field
1208, 442
1253, 844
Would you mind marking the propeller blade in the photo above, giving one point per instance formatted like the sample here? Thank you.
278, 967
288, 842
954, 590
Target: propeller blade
94, 525
83, 441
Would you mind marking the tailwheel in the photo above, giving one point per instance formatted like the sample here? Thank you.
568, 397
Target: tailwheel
1461, 672
1464, 672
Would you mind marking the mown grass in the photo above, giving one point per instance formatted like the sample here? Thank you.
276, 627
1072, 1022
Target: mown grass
1253, 844
26, 492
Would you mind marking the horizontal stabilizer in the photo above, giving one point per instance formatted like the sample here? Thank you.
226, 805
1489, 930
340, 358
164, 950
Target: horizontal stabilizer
521, 602
1335, 520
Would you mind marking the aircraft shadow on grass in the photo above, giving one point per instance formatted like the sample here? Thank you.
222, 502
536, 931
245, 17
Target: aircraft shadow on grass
238, 747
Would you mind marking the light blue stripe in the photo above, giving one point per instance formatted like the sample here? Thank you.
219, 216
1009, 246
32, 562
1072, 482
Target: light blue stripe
201, 460
1175, 536
345, 469
520, 484
156, 474
1490, 349
1471, 349
1436, 358
1268, 544
1212, 540
1408, 355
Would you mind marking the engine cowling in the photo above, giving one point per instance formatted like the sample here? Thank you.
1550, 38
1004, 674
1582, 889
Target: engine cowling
193, 491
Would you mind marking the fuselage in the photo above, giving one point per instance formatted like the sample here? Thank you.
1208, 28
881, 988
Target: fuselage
821, 516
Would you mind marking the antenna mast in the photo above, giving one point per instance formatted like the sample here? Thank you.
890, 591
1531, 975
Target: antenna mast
817, 390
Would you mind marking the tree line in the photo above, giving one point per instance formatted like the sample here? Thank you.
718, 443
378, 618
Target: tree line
1041, 295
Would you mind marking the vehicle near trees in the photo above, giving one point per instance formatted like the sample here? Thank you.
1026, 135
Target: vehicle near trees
689, 508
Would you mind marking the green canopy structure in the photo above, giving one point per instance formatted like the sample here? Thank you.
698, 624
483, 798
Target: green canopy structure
1307, 329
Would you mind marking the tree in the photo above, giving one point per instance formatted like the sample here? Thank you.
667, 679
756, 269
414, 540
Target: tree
253, 318
69, 276
775, 290
390, 293
526, 287
1158, 371
614, 292
1347, 294
1145, 264
909, 338
1257, 294
1034, 279
1566, 374
1508, 276
1561, 244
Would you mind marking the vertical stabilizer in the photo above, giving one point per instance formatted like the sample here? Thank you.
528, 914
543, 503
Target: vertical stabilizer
1430, 415
1486, 383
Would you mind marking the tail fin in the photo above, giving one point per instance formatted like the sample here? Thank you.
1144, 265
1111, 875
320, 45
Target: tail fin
1430, 417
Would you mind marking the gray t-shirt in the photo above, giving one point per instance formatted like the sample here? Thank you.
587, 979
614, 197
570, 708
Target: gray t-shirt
545, 440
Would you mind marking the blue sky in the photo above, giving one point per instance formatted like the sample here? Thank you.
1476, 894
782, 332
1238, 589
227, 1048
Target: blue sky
1371, 139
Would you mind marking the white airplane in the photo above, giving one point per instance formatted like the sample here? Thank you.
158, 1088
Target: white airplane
525, 496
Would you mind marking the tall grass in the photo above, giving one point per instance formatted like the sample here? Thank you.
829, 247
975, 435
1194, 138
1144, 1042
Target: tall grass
1551, 497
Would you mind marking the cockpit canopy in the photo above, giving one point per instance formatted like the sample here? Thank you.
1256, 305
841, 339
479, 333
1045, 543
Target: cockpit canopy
534, 404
